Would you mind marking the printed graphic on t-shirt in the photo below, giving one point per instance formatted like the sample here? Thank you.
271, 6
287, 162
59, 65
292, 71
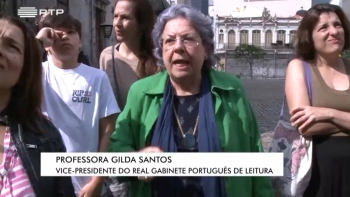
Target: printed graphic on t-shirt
81, 96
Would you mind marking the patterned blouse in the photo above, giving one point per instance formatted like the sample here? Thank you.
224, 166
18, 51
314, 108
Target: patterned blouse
14, 181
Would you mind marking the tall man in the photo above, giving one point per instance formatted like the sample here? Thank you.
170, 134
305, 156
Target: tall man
78, 98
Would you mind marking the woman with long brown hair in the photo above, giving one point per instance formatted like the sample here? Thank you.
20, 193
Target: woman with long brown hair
132, 58
323, 34
24, 131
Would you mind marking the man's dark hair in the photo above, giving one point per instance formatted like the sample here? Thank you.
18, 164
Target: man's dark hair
61, 20
39, 18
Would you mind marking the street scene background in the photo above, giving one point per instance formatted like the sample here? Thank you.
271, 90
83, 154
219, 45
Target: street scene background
264, 24
266, 97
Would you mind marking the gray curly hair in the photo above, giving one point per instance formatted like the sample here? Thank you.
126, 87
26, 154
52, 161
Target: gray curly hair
201, 23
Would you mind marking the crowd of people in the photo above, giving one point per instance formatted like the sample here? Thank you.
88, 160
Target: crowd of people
156, 91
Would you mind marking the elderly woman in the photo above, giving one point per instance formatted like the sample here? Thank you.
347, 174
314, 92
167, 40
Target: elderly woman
188, 108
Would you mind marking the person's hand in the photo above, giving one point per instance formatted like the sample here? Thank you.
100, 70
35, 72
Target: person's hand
302, 117
92, 189
47, 36
150, 149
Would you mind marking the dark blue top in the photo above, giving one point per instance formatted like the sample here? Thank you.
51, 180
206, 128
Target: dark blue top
187, 108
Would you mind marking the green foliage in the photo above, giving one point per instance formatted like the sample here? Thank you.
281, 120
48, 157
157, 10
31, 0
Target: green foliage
346, 54
266, 13
248, 54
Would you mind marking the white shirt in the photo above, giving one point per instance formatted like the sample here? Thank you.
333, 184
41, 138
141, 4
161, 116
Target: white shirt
75, 100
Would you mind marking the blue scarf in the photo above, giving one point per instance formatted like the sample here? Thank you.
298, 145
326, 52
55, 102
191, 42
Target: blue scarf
208, 141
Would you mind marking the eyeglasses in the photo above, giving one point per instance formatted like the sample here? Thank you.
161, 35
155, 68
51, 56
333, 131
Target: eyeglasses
169, 44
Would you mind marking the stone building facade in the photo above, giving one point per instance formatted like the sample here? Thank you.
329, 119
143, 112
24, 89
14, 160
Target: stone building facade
276, 35
268, 33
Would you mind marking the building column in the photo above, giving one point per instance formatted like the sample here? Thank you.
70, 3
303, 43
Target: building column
262, 38
288, 36
250, 36
237, 38
274, 35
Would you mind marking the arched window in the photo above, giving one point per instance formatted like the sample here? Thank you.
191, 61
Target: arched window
256, 38
231, 39
268, 38
292, 36
244, 37
281, 36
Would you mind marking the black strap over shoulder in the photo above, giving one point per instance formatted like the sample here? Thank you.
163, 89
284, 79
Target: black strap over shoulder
115, 76
113, 65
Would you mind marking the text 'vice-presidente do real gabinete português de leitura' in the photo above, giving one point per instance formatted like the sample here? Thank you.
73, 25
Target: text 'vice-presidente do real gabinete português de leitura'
219, 171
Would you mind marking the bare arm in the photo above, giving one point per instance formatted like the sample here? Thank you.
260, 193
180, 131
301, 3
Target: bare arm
106, 128
340, 118
102, 61
322, 128
297, 95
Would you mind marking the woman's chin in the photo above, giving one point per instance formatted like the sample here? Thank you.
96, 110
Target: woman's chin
181, 74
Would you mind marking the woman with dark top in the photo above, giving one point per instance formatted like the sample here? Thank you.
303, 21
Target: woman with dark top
188, 108
323, 34
24, 131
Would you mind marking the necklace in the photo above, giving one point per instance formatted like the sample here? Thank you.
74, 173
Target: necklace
189, 139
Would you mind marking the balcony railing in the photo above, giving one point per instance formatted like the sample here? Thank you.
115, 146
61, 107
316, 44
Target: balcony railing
266, 46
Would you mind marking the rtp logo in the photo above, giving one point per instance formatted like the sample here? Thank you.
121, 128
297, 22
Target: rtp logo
32, 12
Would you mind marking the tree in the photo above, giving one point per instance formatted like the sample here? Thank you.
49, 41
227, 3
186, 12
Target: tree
266, 13
248, 54
346, 54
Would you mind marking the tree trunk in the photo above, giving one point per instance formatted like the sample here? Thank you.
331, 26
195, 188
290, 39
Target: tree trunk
251, 71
